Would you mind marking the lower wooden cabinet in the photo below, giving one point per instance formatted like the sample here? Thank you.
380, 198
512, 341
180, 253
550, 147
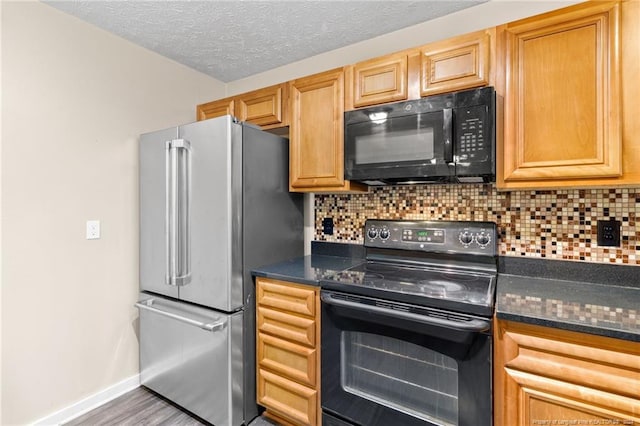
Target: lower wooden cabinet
546, 376
288, 351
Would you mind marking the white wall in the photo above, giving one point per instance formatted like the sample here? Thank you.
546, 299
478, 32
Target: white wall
74, 100
485, 15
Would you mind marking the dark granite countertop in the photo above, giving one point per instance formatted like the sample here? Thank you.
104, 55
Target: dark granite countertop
599, 299
307, 269
586, 297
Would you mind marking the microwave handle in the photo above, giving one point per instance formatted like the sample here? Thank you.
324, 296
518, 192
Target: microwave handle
447, 133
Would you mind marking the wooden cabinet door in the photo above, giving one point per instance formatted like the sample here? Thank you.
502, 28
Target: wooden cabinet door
545, 375
380, 80
214, 109
561, 86
316, 160
267, 108
457, 63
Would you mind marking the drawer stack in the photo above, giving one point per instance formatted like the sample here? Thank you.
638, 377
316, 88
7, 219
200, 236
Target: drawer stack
288, 351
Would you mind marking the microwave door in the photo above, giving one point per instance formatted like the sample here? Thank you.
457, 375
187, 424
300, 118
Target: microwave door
398, 149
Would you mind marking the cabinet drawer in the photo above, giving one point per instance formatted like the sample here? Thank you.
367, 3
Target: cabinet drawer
288, 399
292, 360
291, 327
286, 296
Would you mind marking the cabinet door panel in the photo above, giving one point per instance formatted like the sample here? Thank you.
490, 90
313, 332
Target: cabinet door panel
265, 107
289, 359
316, 132
380, 80
562, 95
458, 63
215, 109
544, 375
288, 399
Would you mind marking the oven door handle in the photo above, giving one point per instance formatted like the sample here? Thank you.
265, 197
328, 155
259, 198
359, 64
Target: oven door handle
474, 325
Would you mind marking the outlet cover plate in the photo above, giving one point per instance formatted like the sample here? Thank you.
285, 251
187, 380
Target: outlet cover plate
609, 233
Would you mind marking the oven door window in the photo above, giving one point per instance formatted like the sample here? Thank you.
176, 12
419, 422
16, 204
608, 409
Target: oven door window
400, 375
384, 366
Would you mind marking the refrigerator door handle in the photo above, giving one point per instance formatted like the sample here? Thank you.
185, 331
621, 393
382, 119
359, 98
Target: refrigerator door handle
178, 206
212, 327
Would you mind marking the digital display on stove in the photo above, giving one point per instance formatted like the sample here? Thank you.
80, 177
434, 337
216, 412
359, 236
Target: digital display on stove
423, 235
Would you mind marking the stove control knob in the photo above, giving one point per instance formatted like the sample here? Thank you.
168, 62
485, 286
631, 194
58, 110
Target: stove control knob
466, 238
384, 233
483, 238
372, 233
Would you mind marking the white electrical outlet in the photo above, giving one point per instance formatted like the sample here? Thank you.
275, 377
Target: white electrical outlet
93, 229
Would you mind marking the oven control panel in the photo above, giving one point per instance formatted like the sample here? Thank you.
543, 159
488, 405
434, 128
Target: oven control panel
471, 237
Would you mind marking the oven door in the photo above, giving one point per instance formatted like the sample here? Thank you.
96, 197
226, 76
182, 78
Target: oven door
386, 363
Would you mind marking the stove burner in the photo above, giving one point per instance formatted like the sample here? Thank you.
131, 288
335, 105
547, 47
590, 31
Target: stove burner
440, 288
459, 277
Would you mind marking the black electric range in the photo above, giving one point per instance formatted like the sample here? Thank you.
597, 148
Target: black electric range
449, 265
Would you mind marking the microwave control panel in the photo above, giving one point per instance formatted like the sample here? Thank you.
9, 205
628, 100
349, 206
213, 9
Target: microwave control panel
471, 133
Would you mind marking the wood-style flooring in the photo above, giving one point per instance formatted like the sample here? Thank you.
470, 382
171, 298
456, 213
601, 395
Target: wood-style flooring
143, 407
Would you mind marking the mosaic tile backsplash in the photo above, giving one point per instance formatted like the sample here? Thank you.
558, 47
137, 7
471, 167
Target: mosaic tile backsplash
559, 224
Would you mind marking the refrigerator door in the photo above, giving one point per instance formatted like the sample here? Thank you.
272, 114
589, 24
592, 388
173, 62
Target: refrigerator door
153, 177
215, 214
190, 213
187, 355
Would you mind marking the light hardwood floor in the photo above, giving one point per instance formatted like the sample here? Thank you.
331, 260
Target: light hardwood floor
143, 407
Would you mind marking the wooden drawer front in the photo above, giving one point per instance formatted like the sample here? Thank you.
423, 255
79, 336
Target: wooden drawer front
455, 64
544, 374
292, 360
215, 109
291, 400
287, 297
263, 107
586, 364
291, 327
380, 80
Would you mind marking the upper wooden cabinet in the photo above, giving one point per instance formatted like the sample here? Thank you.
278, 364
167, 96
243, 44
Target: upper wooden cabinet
267, 107
549, 376
316, 143
457, 63
377, 81
215, 109
570, 87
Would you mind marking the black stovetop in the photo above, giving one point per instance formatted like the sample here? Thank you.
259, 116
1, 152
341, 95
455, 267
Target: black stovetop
440, 270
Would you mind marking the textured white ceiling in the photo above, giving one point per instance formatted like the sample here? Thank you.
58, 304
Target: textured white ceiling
230, 40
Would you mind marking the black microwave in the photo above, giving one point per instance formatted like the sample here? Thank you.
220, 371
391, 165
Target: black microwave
442, 138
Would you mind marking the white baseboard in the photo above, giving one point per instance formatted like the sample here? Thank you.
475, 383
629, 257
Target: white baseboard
83, 406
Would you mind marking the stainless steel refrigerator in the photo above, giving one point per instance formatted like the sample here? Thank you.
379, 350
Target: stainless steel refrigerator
214, 204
